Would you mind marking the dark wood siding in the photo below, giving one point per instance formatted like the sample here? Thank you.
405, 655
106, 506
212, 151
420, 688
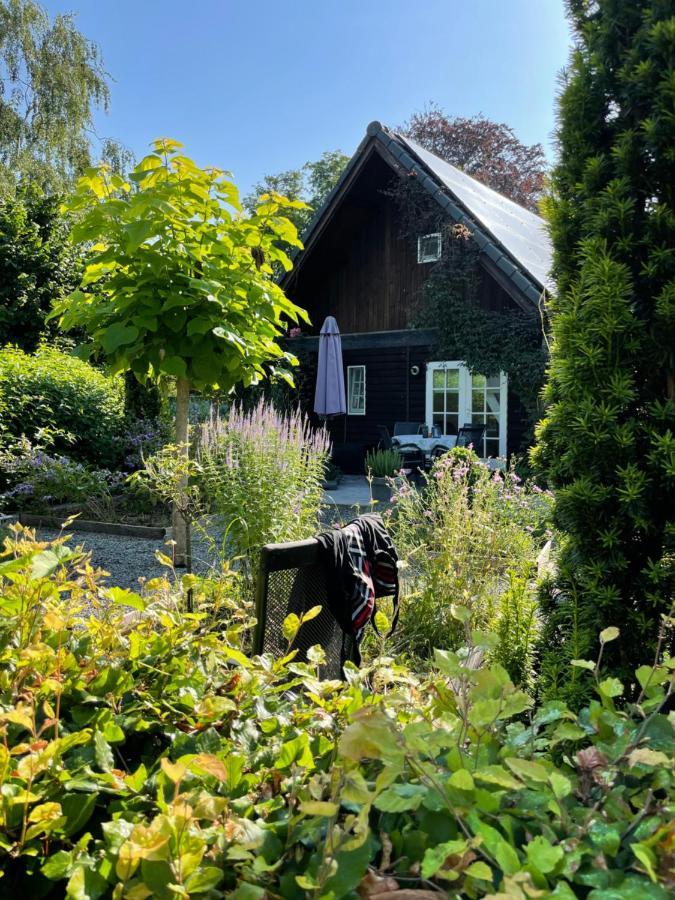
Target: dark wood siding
362, 271
393, 394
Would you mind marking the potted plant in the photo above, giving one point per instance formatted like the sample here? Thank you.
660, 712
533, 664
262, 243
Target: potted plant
332, 477
382, 466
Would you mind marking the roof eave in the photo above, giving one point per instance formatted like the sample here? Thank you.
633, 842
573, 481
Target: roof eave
527, 285
325, 211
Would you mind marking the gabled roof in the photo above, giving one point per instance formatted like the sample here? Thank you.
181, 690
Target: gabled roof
514, 239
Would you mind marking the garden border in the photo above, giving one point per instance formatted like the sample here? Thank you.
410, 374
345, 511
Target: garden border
151, 532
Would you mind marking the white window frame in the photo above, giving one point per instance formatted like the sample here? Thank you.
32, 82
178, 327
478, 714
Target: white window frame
465, 412
351, 410
423, 257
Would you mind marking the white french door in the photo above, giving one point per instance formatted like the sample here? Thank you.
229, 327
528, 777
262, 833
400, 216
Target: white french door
456, 397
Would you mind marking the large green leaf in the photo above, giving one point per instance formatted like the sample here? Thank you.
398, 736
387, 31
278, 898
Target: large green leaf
174, 365
543, 855
77, 808
118, 335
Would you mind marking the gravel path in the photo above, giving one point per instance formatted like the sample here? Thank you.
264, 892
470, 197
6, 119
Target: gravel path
128, 558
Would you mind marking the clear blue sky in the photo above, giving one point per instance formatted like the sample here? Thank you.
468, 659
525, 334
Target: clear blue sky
257, 86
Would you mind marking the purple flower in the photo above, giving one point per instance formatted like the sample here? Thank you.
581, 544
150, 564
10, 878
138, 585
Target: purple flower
22, 489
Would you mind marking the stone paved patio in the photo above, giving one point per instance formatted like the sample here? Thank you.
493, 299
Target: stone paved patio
353, 490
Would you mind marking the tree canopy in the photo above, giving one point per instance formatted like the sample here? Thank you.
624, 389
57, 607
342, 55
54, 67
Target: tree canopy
311, 183
486, 150
38, 265
51, 80
177, 282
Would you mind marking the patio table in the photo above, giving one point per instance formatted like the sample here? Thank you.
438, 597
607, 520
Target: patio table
426, 444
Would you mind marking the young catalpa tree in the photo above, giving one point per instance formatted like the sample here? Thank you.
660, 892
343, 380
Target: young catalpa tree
178, 283
608, 440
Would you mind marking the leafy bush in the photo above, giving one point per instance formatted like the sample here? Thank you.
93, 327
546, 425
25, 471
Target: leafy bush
37, 479
262, 474
144, 754
53, 390
333, 472
470, 540
383, 463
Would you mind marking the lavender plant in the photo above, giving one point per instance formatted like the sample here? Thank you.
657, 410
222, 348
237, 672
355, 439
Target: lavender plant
261, 473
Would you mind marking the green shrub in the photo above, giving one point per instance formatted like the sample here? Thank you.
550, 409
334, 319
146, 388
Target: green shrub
469, 541
607, 442
56, 391
144, 755
383, 463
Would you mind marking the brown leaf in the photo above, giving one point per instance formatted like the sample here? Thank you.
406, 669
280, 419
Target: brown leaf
456, 862
387, 850
373, 885
591, 758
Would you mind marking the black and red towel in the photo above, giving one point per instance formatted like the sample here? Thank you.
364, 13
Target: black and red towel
361, 565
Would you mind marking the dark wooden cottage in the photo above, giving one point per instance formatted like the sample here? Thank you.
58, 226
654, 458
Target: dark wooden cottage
358, 267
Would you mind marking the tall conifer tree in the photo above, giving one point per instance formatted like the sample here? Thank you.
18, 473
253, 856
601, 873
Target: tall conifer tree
608, 441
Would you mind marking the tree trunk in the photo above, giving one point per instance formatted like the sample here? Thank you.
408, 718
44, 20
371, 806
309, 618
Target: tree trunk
180, 518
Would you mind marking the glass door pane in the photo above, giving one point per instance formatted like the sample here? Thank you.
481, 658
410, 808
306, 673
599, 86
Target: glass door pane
445, 399
486, 401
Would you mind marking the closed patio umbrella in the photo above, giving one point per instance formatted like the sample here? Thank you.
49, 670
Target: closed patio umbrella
329, 398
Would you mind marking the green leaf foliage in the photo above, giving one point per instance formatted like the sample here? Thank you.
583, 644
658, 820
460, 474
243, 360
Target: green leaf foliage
38, 265
607, 441
178, 282
310, 185
143, 754
51, 79
50, 391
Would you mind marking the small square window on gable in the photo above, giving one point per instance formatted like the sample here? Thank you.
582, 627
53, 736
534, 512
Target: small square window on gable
429, 247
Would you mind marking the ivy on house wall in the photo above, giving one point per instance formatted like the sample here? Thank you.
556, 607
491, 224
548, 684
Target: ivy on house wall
488, 340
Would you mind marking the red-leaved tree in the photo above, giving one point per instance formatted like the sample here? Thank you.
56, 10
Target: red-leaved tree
489, 151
